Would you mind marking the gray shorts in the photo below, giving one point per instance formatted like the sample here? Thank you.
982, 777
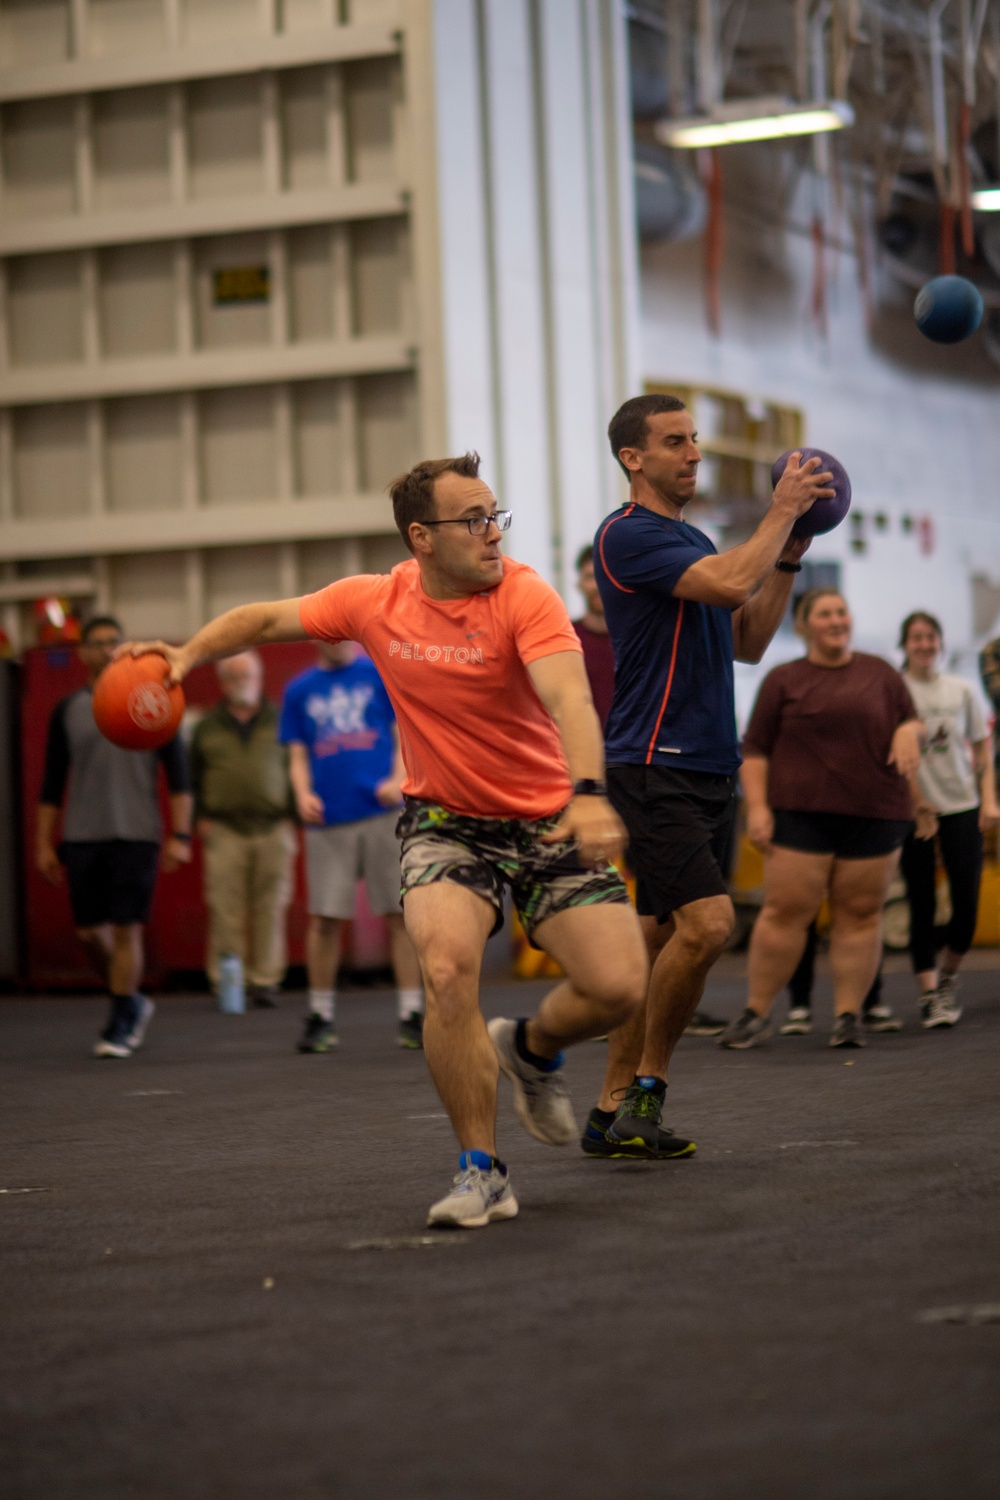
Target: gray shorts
338, 857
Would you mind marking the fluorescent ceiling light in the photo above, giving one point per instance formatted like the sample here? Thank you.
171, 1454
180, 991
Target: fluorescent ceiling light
987, 200
755, 120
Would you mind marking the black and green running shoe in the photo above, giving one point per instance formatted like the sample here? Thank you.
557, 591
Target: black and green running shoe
595, 1141
637, 1129
411, 1032
318, 1036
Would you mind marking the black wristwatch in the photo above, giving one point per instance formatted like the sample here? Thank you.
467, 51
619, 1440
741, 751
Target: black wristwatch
588, 788
787, 567
185, 838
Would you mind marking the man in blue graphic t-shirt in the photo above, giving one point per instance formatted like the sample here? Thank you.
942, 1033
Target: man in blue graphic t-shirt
677, 612
346, 770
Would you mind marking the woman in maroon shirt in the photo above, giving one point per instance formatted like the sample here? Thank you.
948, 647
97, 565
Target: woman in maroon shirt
831, 745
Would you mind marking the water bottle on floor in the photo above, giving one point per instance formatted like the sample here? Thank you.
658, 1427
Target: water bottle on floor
232, 993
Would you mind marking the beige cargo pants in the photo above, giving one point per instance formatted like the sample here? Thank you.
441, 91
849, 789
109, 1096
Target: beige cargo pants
248, 888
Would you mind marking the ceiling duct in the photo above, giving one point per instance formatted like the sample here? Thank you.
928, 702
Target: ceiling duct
669, 198
909, 234
647, 55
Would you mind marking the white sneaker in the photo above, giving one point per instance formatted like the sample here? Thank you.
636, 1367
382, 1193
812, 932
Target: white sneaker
112, 1047
939, 1010
799, 1022
948, 987
476, 1199
147, 1011
540, 1095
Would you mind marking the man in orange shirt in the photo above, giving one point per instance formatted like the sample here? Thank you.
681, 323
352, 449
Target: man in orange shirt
504, 761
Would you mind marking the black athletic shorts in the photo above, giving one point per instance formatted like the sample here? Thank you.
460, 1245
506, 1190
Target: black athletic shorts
110, 880
839, 834
680, 833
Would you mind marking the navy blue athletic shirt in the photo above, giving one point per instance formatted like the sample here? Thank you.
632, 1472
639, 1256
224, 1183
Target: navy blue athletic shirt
673, 703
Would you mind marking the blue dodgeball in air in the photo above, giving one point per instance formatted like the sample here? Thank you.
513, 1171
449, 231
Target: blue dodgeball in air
948, 309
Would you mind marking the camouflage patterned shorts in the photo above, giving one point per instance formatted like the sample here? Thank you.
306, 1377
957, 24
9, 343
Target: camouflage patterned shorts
485, 854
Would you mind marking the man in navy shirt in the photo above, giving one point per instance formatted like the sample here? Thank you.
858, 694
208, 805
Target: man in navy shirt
346, 771
678, 612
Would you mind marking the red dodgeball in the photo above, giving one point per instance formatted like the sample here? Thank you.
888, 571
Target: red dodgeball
133, 706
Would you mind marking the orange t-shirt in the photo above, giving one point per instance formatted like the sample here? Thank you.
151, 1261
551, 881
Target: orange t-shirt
475, 736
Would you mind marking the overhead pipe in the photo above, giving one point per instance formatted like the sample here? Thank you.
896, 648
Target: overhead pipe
965, 128
939, 119
708, 57
709, 71
878, 47
821, 170
677, 86
802, 50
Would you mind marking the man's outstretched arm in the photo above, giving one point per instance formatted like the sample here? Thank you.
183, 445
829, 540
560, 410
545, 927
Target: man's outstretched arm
237, 630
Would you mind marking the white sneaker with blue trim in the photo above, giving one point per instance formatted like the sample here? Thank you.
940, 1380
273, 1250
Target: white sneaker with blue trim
541, 1098
477, 1198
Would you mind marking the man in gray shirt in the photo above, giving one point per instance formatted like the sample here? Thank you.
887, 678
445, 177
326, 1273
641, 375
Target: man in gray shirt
111, 836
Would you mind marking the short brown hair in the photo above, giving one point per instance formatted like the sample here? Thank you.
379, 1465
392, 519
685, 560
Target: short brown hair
629, 427
412, 494
806, 603
924, 618
584, 556
99, 622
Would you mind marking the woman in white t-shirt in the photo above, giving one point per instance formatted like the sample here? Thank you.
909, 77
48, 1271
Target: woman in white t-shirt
955, 800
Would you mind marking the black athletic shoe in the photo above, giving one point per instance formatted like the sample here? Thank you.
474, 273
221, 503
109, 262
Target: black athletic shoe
116, 1038
748, 1030
847, 1031
319, 1035
264, 996
411, 1032
637, 1122
702, 1024
595, 1142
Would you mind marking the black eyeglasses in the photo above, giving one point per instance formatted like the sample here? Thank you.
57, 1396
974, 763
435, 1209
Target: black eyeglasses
478, 525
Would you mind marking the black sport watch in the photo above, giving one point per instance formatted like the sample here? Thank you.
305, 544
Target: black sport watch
588, 788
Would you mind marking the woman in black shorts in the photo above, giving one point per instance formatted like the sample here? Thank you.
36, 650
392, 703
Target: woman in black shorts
831, 745
957, 803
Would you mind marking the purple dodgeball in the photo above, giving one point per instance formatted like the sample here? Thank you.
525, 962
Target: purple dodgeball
822, 515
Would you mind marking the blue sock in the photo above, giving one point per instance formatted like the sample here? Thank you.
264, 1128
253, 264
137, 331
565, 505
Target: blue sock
653, 1085
543, 1064
482, 1160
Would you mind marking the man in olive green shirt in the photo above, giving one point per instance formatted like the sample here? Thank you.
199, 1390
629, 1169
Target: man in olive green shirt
244, 807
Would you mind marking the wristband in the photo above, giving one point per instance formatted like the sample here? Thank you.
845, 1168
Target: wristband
588, 788
787, 567
185, 838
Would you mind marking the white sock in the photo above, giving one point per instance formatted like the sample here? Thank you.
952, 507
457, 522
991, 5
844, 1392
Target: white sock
410, 1003
322, 1002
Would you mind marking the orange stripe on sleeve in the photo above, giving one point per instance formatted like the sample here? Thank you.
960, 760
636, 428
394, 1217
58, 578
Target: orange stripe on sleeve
604, 561
670, 681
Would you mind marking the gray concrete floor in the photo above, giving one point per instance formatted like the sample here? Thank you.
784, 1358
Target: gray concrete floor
184, 1315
